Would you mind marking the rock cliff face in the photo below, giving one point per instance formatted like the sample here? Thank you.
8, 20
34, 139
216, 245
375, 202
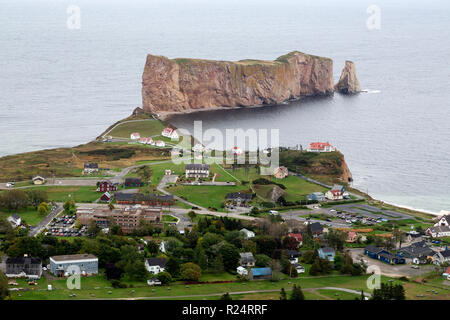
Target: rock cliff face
184, 85
348, 82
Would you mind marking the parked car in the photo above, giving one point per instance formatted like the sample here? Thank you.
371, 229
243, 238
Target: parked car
10, 184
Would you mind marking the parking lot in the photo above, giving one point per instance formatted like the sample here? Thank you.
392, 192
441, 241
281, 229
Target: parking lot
63, 226
397, 270
368, 211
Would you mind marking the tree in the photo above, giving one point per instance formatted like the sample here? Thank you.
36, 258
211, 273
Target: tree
230, 255
283, 295
290, 243
4, 292
13, 199
297, 293
173, 266
216, 265
190, 271
93, 228
226, 296
152, 247
261, 260
43, 208
36, 197
336, 239
191, 214
110, 206
389, 291
200, 258
112, 271
164, 277
69, 207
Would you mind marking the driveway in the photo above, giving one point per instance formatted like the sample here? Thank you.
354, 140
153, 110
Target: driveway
399, 270
44, 222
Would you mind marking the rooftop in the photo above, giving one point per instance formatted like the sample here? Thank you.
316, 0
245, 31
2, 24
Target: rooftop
73, 257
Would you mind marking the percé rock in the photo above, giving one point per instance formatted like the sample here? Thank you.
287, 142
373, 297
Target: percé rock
348, 82
184, 85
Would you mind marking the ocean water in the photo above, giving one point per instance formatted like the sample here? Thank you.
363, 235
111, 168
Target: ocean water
63, 87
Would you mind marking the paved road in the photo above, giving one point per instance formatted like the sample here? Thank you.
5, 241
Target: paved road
44, 223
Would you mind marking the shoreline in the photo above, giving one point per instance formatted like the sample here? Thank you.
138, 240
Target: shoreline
165, 115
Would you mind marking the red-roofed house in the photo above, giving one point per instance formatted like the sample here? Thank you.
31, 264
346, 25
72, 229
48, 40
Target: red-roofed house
352, 237
321, 147
297, 236
169, 133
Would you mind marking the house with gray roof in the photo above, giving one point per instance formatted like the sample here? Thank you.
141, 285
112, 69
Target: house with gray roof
247, 259
23, 267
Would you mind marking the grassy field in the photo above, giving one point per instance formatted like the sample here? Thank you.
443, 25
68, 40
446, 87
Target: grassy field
79, 194
28, 215
296, 188
146, 128
98, 287
205, 196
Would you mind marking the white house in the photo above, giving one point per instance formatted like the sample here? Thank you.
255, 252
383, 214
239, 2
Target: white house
154, 282
248, 234
197, 170
336, 193
160, 143
242, 271
441, 257
15, 220
299, 268
321, 147
135, 136
438, 231
155, 265
443, 220
162, 247
170, 133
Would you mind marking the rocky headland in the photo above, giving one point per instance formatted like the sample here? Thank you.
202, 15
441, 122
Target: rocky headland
186, 85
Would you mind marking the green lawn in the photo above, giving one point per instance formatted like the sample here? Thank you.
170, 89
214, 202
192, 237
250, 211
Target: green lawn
28, 215
79, 194
146, 128
297, 189
205, 196
98, 287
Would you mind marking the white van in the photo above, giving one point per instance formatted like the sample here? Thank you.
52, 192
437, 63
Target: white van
274, 212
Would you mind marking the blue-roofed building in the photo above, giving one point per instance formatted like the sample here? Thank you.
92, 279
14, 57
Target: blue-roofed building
326, 253
383, 255
316, 196
260, 273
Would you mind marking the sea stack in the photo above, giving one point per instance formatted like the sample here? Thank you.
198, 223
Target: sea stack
185, 85
348, 82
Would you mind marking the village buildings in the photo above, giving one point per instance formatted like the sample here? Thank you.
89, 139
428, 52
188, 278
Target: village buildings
129, 218
64, 265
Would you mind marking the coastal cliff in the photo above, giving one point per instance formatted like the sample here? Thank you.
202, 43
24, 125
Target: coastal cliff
348, 82
185, 85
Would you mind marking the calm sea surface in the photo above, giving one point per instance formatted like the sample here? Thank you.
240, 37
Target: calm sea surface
62, 87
